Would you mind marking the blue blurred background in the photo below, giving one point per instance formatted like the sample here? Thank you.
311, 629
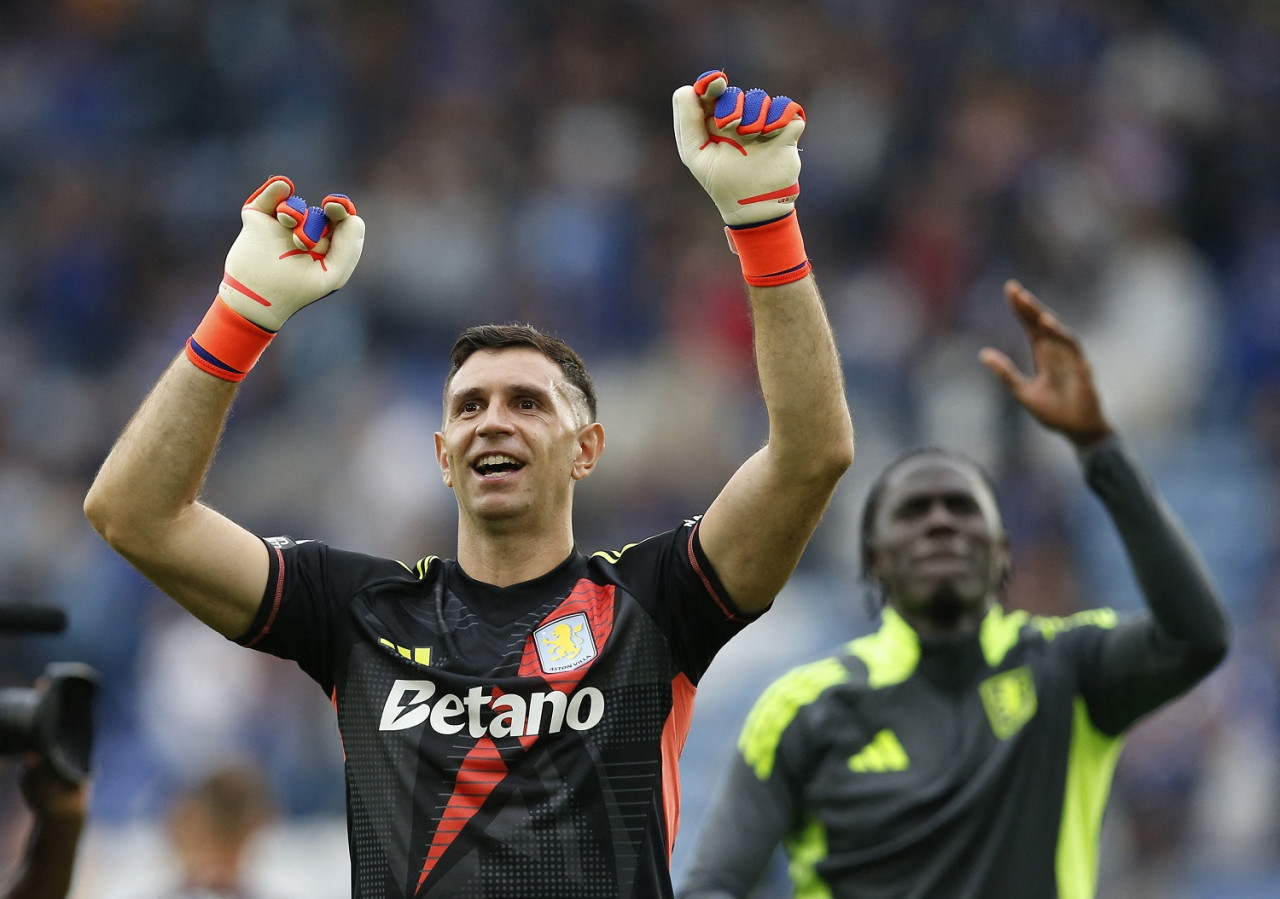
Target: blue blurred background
515, 161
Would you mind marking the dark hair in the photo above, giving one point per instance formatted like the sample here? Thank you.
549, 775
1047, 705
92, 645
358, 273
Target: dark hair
501, 337
871, 507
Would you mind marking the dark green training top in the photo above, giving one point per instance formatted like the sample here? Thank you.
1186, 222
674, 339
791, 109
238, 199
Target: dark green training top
975, 766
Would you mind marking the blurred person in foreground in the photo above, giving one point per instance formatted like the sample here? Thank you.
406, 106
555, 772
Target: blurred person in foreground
966, 750
511, 718
59, 808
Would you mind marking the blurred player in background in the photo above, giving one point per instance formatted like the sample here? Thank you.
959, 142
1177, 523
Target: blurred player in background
59, 809
964, 750
511, 718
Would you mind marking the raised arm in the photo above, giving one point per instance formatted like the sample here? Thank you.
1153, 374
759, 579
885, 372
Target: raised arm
145, 498
741, 146
1147, 662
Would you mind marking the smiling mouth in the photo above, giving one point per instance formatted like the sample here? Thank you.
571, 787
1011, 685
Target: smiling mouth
495, 465
943, 560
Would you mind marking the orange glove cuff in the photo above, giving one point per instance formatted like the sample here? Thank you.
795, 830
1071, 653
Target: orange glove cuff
226, 344
772, 253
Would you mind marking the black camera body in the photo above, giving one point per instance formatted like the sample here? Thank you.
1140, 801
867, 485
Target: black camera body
55, 717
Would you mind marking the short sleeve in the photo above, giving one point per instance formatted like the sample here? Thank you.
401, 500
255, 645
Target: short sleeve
671, 577
308, 587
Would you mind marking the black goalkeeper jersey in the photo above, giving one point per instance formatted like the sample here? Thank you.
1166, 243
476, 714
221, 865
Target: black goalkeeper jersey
505, 742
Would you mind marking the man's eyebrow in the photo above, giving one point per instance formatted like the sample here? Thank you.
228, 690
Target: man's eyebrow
522, 388
946, 494
463, 394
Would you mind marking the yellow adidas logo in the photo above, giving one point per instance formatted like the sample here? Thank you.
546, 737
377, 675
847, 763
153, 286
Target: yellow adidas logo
883, 753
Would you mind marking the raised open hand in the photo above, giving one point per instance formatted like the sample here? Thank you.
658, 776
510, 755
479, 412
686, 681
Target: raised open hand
1060, 394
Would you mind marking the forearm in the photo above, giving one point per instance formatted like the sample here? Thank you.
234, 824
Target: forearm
742, 148
810, 429
758, 527
155, 470
50, 860
1178, 589
144, 502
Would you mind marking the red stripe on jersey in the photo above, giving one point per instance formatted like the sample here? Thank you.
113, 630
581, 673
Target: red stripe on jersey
674, 732
593, 600
333, 699
481, 771
706, 581
275, 602
483, 768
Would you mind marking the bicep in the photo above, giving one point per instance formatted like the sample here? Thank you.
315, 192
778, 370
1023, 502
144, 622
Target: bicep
211, 566
756, 530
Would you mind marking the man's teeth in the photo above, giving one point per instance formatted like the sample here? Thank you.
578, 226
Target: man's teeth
495, 464
496, 460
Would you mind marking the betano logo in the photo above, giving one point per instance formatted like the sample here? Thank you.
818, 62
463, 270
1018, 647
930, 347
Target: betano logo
414, 702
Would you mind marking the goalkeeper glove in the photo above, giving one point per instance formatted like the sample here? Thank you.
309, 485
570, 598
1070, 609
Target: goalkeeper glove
287, 256
744, 154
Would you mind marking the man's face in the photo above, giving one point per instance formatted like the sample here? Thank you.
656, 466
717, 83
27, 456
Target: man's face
513, 438
938, 543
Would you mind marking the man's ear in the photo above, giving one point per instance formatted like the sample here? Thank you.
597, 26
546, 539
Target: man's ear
442, 459
590, 448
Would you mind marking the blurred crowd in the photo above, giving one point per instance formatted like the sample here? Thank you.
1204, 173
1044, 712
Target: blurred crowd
514, 161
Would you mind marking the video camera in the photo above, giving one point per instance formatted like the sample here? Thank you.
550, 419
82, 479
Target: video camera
54, 718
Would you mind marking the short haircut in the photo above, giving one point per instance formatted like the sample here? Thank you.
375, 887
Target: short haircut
871, 508
509, 336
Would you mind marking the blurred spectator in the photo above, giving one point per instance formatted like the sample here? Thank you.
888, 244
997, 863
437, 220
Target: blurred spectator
212, 827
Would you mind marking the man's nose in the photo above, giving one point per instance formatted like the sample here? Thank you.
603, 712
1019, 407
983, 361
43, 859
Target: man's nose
939, 516
496, 419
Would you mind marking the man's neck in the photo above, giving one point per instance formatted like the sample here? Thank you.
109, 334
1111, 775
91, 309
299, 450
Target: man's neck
947, 620
503, 560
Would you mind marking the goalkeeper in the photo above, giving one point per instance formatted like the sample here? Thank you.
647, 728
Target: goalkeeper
512, 716
964, 751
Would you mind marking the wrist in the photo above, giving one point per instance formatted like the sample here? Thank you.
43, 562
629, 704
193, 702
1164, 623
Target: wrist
771, 253
226, 344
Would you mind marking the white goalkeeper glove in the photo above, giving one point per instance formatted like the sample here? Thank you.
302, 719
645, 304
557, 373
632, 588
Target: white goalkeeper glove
287, 256
741, 146
744, 152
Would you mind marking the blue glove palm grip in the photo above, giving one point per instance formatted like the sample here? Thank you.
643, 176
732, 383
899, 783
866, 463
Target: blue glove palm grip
756, 110
310, 224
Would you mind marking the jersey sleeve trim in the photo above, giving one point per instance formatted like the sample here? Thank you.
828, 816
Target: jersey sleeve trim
711, 582
271, 598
